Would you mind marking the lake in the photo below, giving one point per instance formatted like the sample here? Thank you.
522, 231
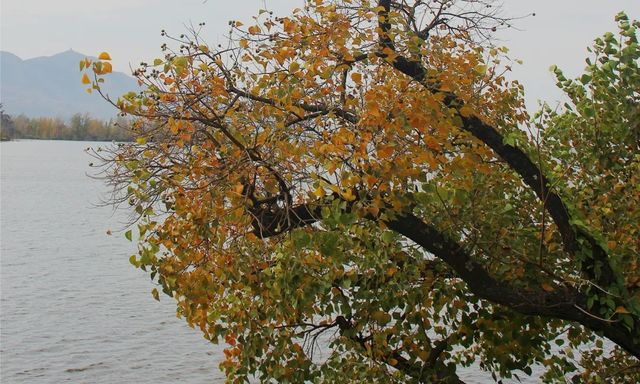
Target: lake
72, 307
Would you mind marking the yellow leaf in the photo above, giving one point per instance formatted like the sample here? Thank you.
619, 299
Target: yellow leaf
141, 140
254, 29
293, 67
480, 69
104, 56
154, 293
466, 111
348, 195
85, 79
356, 77
319, 192
238, 188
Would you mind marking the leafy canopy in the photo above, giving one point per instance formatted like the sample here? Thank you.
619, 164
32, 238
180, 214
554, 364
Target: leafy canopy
355, 193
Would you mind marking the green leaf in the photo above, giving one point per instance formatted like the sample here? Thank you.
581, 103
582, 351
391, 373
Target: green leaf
329, 245
127, 235
511, 139
387, 237
347, 218
301, 239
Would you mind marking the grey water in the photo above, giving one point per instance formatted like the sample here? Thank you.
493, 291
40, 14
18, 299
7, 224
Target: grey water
72, 308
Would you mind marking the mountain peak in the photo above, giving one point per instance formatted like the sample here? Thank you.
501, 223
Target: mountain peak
4, 55
50, 86
69, 53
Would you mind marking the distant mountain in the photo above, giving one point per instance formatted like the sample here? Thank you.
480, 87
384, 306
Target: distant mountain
50, 87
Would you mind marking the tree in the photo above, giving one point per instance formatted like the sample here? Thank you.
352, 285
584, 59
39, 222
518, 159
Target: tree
361, 175
6, 123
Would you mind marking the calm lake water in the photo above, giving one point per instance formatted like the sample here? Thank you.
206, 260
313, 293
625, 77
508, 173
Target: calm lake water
72, 307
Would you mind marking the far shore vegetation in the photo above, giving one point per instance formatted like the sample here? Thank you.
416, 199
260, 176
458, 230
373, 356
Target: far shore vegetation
78, 127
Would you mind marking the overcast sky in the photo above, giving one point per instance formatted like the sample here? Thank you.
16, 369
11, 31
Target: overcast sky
130, 29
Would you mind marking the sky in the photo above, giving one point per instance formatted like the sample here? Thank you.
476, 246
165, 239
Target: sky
129, 30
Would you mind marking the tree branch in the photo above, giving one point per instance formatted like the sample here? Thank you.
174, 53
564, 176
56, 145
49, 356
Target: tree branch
560, 303
599, 269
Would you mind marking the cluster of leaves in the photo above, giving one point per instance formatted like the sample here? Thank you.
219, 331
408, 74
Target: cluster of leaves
347, 194
593, 146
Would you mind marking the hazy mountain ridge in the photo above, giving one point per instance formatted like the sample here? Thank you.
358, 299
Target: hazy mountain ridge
50, 86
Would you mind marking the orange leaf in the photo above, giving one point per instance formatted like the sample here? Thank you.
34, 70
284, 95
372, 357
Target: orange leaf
289, 26
104, 56
371, 180
466, 111
85, 79
621, 309
106, 67
385, 151
547, 287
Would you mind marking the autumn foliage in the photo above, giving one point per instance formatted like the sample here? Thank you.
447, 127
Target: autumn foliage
356, 193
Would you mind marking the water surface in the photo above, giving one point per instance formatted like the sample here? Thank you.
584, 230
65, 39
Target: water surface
72, 307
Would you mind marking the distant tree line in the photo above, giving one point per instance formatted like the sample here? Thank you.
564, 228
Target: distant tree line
78, 127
